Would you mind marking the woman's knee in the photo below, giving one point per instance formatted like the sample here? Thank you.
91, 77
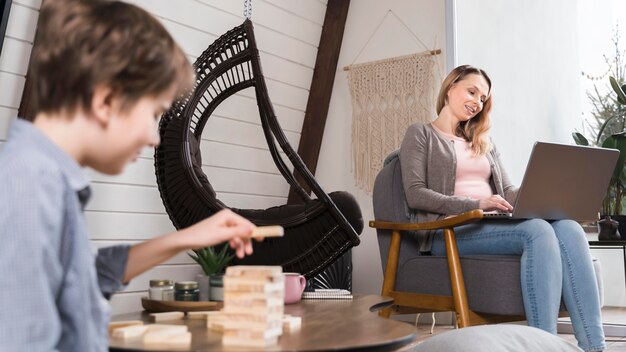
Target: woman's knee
570, 232
539, 233
567, 226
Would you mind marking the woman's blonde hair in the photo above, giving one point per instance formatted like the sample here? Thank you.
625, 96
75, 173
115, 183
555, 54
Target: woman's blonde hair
475, 129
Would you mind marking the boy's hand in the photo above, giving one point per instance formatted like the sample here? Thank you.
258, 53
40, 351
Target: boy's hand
221, 227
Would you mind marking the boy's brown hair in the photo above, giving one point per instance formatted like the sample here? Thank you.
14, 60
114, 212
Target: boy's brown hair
85, 44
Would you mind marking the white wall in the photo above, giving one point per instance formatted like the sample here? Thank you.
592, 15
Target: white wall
18, 42
426, 19
596, 26
127, 208
532, 59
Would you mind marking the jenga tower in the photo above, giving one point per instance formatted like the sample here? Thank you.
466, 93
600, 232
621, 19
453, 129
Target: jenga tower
253, 305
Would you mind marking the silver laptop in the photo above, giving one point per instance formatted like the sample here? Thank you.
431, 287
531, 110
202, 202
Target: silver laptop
563, 182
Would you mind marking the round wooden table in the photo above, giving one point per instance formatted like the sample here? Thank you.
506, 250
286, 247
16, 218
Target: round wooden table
326, 325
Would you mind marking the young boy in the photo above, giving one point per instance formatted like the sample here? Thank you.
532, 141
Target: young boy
104, 72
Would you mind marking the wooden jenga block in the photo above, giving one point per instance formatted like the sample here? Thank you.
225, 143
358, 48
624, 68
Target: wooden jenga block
254, 280
253, 334
201, 315
268, 231
257, 287
264, 303
252, 322
254, 318
167, 334
254, 310
256, 271
129, 332
291, 323
229, 324
165, 316
215, 322
121, 324
168, 329
180, 339
280, 295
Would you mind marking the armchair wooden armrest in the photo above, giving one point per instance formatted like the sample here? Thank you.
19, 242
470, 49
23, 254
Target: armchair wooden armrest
458, 301
458, 220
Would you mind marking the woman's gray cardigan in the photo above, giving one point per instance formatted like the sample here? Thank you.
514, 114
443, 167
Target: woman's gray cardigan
428, 164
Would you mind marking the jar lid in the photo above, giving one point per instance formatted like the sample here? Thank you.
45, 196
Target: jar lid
186, 285
160, 282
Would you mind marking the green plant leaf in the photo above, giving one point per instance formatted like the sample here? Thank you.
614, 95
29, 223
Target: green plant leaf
601, 130
622, 177
621, 97
617, 141
211, 261
579, 139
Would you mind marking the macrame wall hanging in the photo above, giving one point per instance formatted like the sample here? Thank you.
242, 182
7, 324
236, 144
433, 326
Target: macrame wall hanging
387, 97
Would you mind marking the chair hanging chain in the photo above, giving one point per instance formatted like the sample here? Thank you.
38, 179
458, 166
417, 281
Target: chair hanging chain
247, 9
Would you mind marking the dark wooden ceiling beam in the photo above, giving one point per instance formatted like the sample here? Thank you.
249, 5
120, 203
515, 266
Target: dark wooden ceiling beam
321, 88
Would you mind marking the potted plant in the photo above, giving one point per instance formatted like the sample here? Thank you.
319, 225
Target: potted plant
213, 262
612, 207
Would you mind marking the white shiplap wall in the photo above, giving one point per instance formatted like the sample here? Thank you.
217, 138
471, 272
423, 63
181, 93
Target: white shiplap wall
18, 42
127, 208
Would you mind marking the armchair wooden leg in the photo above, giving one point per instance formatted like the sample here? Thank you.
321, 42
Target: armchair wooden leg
385, 313
390, 270
456, 279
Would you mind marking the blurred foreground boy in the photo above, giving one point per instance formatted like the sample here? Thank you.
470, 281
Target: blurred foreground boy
103, 73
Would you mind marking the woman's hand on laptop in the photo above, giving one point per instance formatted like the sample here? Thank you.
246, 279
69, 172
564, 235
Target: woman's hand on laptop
495, 202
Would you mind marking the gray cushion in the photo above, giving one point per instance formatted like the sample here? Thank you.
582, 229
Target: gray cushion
492, 283
502, 338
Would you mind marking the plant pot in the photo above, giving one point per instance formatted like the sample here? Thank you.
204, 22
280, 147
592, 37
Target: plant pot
203, 286
216, 287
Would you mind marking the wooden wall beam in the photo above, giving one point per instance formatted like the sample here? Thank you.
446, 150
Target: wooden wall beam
321, 88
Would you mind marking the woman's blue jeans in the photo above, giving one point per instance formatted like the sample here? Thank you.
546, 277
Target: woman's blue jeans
555, 263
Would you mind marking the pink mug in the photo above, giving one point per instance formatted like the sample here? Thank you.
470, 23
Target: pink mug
294, 286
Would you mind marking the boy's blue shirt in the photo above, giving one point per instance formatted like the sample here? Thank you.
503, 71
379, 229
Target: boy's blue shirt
54, 291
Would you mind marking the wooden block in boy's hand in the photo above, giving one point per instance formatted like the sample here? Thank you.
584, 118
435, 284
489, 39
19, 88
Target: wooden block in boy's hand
268, 231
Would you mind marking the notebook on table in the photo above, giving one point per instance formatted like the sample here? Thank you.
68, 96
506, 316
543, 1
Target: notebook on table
327, 294
563, 182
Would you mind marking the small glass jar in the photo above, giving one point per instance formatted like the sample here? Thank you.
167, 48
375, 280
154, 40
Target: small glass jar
187, 291
216, 287
162, 290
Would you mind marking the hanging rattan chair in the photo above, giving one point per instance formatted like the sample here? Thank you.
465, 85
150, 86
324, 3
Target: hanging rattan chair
317, 232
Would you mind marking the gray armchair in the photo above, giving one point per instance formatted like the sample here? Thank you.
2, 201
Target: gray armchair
487, 288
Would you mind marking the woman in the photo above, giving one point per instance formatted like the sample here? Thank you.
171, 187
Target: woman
450, 166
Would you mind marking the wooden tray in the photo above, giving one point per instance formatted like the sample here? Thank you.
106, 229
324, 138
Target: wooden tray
151, 305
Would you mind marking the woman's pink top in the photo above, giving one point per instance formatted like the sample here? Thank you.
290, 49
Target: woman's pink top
472, 172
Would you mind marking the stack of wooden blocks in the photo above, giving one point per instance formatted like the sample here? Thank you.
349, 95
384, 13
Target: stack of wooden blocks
253, 305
